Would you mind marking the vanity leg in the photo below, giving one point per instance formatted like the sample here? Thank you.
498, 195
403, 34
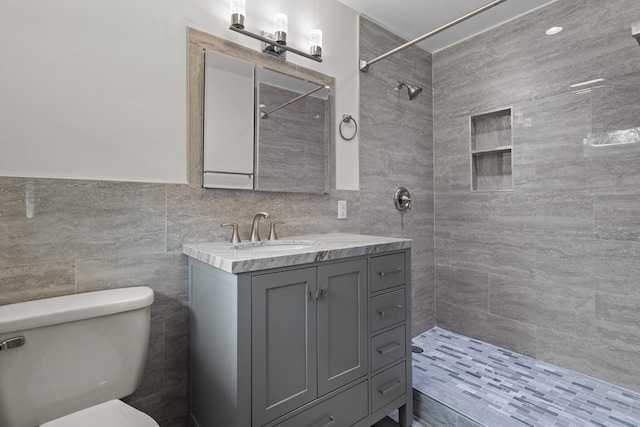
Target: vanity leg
405, 415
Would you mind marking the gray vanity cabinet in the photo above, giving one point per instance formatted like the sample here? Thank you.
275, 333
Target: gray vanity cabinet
291, 347
309, 335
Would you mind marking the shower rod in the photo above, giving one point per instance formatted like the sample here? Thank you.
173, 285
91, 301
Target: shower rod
364, 65
264, 115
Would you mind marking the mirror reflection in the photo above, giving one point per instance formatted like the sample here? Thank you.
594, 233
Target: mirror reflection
263, 129
292, 130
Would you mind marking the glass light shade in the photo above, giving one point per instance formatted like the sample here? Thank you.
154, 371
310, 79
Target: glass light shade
238, 6
281, 22
315, 37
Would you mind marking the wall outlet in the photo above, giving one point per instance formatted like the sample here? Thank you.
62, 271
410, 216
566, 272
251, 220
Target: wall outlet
342, 209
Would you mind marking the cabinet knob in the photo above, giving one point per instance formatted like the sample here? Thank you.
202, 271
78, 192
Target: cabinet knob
317, 294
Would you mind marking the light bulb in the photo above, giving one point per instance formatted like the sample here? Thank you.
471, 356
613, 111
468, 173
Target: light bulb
315, 37
237, 13
280, 22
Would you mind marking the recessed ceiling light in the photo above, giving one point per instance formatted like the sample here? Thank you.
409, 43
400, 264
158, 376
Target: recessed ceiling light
553, 30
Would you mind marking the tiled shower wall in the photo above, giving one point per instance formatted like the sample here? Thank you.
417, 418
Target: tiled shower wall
396, 150
550, 269
90, 235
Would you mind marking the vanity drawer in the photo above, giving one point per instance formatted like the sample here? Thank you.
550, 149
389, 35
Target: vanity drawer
387, 271
387, 309
387, 386
345, 409
388, 347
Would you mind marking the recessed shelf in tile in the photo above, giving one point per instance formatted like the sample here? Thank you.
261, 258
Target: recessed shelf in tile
491, 146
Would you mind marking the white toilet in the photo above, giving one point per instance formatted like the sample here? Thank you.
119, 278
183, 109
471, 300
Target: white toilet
65, 361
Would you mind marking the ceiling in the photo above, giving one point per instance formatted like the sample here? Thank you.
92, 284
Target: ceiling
412, 18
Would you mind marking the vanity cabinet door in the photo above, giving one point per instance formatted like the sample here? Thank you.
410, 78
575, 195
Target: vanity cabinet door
283, 331
342, 324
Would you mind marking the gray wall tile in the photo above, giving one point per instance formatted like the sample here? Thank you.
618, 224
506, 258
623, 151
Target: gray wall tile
29, 282
508, 333
396, 149
618, 320
564, 306
616, 215
616, 266
80, 219
505, 253
566, 261
464, 288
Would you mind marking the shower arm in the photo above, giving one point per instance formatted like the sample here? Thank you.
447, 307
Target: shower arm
264, 115
364, 65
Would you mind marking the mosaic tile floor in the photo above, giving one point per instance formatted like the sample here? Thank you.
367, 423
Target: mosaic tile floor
499, 388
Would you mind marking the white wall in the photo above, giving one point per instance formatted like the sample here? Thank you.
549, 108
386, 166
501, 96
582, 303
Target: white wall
97, 89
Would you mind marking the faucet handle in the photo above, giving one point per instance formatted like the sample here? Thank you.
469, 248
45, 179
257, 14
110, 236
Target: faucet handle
272, 230
235, 238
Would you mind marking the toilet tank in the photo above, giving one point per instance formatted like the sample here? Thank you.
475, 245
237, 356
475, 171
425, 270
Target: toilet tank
67, 353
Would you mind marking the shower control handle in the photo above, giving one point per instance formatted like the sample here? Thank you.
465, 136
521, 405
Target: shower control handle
402, 199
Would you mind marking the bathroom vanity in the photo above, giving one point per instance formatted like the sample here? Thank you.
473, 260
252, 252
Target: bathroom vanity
311, 331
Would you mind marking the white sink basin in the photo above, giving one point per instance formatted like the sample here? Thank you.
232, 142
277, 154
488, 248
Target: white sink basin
276, 245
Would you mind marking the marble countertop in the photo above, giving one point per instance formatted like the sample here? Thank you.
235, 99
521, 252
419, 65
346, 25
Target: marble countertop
246, 257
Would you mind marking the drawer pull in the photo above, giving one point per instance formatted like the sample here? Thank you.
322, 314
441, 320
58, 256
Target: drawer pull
389, 272
386, 311
392, 387
329, 423
388, 348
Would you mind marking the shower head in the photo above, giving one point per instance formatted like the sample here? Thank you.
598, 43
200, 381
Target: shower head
635, 30
412, 90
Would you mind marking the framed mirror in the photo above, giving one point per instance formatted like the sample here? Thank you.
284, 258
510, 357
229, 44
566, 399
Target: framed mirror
265, 129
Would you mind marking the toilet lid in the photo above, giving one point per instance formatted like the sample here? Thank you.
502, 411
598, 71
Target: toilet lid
108, 414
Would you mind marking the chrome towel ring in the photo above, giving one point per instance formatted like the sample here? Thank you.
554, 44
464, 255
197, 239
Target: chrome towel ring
347, 119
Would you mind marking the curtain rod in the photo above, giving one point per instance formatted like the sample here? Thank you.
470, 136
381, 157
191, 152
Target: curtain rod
264, 115
364, 65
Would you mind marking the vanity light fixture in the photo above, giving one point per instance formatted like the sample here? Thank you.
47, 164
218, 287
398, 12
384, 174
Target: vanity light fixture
275, 44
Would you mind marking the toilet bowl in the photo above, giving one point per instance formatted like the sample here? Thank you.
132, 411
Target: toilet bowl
66, 361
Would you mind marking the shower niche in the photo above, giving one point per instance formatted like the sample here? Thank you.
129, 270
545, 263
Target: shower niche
491, 156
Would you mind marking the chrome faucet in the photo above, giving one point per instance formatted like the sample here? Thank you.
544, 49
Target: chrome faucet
255, 228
